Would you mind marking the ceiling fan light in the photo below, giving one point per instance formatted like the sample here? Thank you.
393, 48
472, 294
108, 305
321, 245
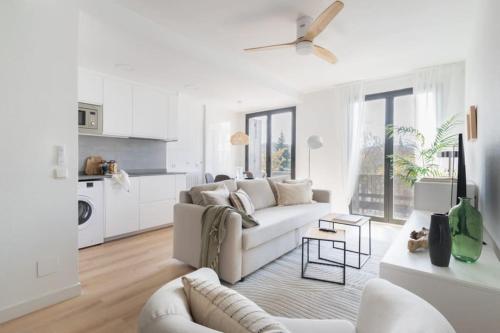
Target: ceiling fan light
304, 47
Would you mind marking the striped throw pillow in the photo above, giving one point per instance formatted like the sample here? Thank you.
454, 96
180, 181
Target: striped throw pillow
220, 308
241, 201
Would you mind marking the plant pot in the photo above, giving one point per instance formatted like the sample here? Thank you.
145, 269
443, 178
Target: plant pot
466, 226
440, 240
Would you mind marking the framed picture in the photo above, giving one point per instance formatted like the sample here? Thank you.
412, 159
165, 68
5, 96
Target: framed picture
472, 123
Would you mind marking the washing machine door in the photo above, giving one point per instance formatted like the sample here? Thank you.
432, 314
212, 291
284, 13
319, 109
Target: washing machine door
85, 211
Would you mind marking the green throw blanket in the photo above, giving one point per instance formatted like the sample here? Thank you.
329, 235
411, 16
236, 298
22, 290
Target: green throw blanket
213, 232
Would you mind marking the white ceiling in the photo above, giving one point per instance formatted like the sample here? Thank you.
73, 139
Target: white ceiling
196, 46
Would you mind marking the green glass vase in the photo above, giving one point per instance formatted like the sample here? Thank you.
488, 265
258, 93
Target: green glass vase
466, 226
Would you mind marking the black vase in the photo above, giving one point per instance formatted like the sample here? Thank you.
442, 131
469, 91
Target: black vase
440, 240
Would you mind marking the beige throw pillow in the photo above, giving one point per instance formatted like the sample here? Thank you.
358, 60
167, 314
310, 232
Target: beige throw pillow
195, 191
220, 308
294, 194
218, 197
241, 201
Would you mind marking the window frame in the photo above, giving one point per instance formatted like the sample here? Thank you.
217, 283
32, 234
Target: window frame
269, 114
389, 97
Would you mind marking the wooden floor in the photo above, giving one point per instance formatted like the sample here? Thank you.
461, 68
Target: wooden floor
117, 278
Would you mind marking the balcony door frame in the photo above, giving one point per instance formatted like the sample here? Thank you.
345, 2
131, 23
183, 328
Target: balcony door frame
389, 97
269, 125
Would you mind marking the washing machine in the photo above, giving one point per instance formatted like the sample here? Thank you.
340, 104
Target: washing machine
90, 213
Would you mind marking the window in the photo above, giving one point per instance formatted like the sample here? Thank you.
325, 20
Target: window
271, 151
377, 193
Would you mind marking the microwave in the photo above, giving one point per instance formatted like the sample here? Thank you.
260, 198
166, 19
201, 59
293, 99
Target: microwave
89, 118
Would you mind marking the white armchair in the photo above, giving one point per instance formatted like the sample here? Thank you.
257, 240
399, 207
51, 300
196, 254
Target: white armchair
385, 308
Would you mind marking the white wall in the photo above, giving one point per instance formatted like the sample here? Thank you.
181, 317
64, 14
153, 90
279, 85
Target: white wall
483, 90
38, 214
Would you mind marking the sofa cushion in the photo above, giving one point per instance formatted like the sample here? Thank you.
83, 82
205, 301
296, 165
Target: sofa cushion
294, 194
259, 192
218, 197
195, 191
278, 220
223, 309
272, 182
241, 201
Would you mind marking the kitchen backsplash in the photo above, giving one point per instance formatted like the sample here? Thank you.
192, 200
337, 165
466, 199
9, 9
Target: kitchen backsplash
130, 154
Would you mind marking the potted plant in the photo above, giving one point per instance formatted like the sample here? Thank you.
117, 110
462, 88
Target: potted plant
418, 160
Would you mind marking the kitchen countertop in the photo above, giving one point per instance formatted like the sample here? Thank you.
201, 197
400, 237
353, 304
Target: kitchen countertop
132, 173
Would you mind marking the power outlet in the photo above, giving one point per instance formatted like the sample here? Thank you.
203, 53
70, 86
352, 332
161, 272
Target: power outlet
47, 266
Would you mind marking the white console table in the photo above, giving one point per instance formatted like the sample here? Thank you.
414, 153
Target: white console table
468, 295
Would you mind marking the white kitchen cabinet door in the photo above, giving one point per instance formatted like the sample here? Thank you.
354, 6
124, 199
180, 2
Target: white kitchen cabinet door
122, 208
90, 87
157, 188
173, 118
150, 113
154, 214
117, 108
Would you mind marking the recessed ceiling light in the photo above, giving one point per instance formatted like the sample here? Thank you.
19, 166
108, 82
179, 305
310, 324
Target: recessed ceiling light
125, 67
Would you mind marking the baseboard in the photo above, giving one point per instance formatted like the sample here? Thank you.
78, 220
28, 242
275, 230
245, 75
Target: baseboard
52, 298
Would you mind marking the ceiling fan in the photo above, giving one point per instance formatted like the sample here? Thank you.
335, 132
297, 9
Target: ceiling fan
307, 30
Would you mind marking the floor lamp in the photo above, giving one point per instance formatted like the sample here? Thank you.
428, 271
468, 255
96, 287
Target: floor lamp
313, 142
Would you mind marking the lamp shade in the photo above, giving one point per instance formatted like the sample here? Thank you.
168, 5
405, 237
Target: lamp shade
315, 142
239, 139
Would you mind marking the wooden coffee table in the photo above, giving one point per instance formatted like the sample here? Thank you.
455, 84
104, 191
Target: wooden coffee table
316, 235
333, 219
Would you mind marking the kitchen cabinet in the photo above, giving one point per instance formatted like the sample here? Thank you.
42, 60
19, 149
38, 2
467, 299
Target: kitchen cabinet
121, 207
90, 87
150, 113
157, 199
117, 108
173, 119
149, 204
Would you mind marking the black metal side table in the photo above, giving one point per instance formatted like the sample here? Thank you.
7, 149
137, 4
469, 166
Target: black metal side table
314, 234
334, 218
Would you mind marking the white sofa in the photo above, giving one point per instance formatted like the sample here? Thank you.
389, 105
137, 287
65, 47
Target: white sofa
385, 308
243, 251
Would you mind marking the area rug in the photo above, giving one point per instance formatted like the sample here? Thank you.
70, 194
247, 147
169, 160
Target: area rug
279, 289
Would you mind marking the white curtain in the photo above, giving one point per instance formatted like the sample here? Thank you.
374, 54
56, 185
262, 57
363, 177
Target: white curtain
218, 148
439, 94
350, 100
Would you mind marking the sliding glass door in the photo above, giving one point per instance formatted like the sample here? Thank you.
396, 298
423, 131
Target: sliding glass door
378, 194
271, 151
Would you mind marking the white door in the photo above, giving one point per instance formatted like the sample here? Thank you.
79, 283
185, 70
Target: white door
117, 108
150, 113
90, 87
122, 208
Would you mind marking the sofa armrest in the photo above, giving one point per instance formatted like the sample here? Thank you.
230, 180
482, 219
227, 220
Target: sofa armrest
323, 196
187, 241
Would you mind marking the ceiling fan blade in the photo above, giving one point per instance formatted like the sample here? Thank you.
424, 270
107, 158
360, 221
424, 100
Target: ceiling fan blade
269, 47
322, 21
324, 54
